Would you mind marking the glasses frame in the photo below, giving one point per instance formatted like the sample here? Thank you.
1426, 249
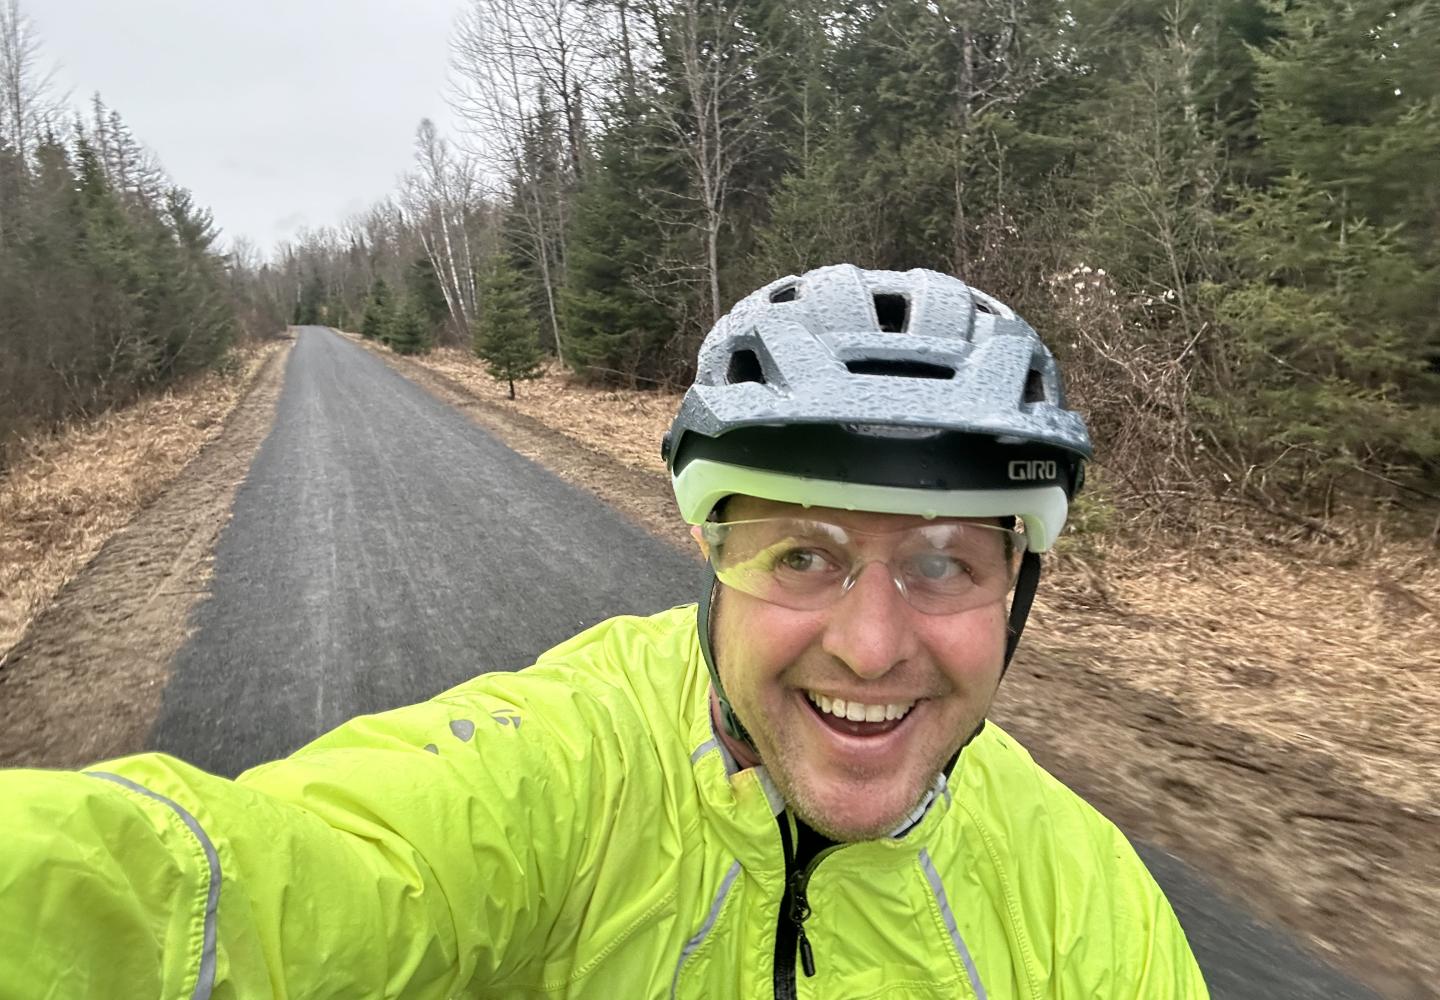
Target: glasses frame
713, 534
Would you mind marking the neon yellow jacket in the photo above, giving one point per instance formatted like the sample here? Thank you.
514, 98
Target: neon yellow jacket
567, 831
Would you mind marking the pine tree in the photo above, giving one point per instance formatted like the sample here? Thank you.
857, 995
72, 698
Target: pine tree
613, 328
123, 278
1333, 329
1319, 344
408, 331
379, 313
201, 320
507, 336
814, 221
309, 307
1153, 221
423, 284
1351, 99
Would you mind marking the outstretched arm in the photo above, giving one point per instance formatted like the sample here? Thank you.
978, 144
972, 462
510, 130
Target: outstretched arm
365, 865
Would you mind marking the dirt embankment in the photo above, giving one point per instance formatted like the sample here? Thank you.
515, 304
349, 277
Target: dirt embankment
84, 681
1271, 715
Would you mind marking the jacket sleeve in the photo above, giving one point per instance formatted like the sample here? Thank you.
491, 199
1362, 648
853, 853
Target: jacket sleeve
1153, 960
402, 855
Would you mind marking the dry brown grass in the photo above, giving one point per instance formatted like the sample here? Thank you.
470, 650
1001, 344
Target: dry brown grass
65, 493
1311, 647
1315, 646
625, 424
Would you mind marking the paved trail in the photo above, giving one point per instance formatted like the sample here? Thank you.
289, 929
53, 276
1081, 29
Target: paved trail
384, 548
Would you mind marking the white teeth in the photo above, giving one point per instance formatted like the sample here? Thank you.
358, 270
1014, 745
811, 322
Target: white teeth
858, 711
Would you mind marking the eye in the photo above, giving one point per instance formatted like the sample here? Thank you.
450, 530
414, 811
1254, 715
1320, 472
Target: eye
938, 567
803, 560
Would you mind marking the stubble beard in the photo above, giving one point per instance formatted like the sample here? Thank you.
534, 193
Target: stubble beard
783, 759
785, 766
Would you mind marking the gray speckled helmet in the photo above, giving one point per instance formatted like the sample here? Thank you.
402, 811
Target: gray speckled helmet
897, 392
887, 391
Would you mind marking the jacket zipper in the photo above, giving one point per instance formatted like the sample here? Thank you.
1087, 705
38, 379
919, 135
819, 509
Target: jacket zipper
794, 911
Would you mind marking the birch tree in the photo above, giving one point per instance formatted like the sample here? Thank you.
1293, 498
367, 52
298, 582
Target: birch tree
713, 111
27, 107
27, 101
440, 198
513, 61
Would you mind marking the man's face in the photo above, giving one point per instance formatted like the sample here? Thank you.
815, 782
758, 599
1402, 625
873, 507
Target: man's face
870, 647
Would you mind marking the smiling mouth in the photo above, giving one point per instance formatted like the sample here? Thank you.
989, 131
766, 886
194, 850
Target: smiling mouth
858, 718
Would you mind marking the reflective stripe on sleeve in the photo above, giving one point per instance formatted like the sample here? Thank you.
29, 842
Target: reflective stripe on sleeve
205, 979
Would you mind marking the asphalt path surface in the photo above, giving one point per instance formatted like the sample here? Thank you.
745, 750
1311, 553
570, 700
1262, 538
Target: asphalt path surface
384, 548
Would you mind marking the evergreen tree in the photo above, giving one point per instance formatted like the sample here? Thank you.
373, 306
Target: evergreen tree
309, 307
1152, 223
507, 337
423, 286
1350, 98
46, 322
814, 220
614, 329
123, 278
408, 330
1334, 337
1319, 343
379, 313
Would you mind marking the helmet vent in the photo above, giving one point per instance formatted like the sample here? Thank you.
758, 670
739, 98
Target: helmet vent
893, 311
744, 367
1034, 387
981, 305
789, 293
902, 369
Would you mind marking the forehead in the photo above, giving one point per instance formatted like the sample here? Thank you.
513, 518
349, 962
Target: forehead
741, 508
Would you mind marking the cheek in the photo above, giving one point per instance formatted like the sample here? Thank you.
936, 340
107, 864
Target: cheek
756, 641
973, 648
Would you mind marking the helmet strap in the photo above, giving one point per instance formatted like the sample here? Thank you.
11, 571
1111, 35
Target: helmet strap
733, 727
1020, 602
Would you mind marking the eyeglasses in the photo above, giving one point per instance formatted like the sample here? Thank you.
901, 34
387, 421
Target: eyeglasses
940, 569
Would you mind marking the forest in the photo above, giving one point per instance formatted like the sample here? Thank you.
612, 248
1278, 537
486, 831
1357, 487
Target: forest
1223, 216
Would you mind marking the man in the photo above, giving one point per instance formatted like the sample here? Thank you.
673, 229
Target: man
788, 791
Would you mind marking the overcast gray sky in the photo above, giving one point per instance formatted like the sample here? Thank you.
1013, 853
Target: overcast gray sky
278, 114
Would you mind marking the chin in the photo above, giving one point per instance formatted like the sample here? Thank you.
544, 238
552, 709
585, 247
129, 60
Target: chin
850, 829
831, 816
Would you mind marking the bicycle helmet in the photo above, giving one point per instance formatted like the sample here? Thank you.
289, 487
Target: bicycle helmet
887, 391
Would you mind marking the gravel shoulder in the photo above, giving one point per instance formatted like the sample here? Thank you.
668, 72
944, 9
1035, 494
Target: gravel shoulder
84, 681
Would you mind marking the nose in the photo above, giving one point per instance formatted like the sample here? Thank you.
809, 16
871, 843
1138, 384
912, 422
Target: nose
869, 628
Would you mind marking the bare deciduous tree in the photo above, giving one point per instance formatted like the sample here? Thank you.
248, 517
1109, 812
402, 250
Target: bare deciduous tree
514, 61
440, 198
717, 115
27, 104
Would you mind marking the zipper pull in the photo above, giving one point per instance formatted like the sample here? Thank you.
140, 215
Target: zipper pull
807, 957
799, 911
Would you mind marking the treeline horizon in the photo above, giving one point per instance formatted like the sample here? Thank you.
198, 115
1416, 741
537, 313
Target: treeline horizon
1224, 217
110, 281
110, 278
